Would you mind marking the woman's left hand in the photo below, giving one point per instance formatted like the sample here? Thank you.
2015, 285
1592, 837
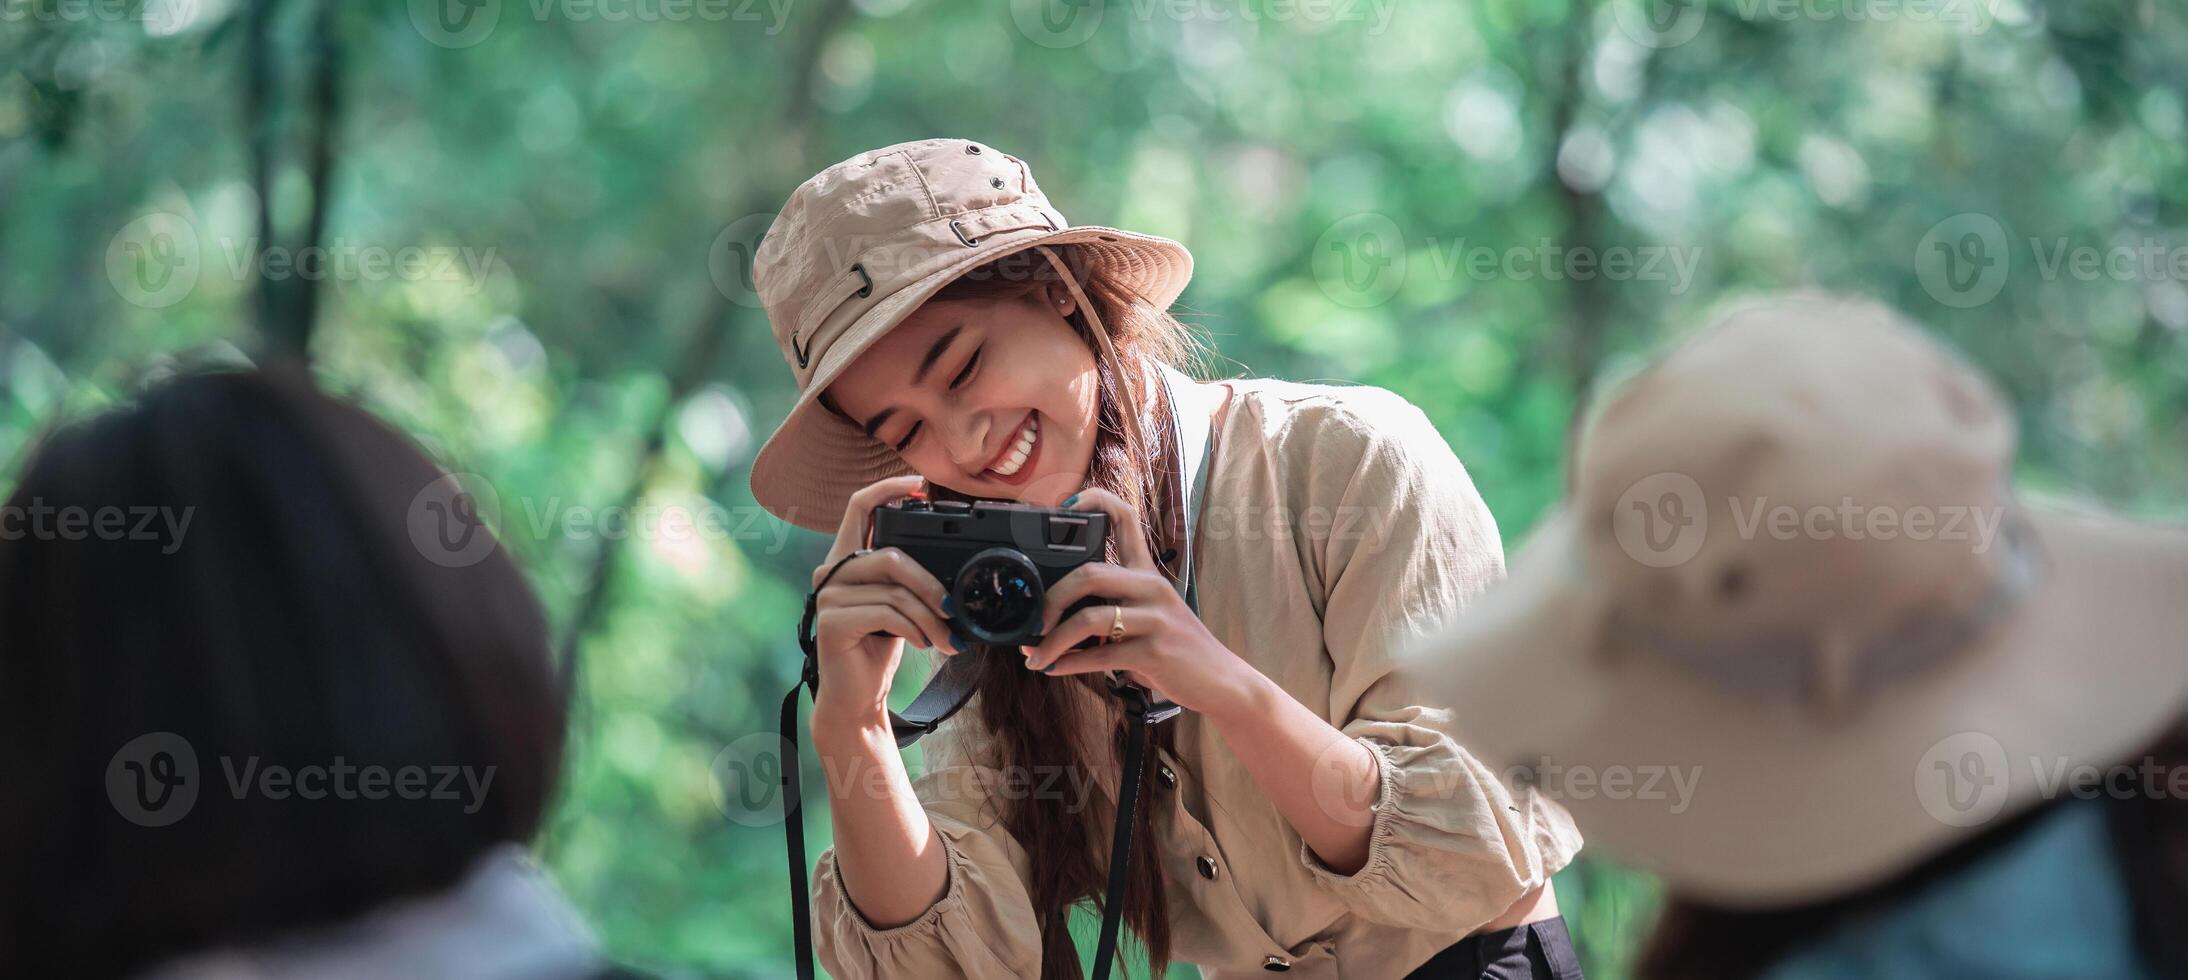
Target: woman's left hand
1164, 647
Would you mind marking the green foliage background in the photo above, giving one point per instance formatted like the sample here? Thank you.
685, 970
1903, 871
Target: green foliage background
603, 168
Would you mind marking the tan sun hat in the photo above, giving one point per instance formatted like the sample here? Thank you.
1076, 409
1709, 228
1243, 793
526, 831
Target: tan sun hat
1793, 632
860, 246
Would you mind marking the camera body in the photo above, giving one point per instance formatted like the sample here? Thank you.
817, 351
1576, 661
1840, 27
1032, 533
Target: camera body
997, 559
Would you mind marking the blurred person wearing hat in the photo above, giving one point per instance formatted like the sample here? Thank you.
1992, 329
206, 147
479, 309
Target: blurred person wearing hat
951, 334
1796, 644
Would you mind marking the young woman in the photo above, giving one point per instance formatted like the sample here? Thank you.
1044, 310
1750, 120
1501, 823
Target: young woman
260, 713
1310, 812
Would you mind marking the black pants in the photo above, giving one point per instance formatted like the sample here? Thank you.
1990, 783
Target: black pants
1535, 951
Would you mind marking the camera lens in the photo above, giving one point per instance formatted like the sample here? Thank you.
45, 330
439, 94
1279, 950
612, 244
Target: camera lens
999, 596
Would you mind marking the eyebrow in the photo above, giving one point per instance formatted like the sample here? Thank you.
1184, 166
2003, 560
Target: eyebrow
934, 354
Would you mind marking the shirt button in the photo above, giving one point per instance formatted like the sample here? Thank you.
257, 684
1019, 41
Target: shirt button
1168, 776
1276, 964
1207, 866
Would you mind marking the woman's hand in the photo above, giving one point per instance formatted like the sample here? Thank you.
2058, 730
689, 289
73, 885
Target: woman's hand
1165, 648
865, 613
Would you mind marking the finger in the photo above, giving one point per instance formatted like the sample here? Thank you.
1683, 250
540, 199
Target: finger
1128, 655
1090, 623
1124, 525
858, 515
869, 620
891, 566
1109, 581
936, 632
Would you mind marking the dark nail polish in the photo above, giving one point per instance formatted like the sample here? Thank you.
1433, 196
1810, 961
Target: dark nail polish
949, 605
960, 644
1068, 501
1048, 668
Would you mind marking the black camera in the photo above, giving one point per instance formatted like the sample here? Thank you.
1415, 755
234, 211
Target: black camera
998, 559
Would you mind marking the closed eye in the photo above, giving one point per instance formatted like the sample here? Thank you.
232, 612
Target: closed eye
909, 435
966, 374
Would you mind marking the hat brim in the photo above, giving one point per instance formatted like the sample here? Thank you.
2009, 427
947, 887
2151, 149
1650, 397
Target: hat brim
1752, 805
812, 464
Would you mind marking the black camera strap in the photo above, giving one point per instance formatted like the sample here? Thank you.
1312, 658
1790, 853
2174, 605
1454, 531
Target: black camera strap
953, 685
948, 691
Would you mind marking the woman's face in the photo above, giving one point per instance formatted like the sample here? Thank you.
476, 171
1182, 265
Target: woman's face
991, 398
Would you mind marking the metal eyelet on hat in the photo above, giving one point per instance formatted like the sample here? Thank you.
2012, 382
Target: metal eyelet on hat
995, 182
961, 236
805, 354
972, 147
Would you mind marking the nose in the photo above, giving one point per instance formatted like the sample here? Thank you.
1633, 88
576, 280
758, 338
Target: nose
965, 438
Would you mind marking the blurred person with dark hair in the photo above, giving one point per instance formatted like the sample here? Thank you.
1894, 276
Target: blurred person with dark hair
258, 718
1927, 726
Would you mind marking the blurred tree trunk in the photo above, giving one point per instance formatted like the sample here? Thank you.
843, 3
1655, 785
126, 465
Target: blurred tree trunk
1589, 299
286, 309
775, 168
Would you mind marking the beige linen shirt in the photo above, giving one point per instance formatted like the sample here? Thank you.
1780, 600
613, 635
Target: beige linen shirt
1338, 529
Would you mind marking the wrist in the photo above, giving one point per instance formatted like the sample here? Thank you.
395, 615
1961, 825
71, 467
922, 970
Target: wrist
835, 726
1245, 695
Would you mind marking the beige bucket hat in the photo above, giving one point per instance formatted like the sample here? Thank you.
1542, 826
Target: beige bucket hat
860, 246
1792, 632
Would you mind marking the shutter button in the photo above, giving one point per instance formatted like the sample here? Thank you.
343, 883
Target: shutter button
1207, 866
1168, 776
1276, 964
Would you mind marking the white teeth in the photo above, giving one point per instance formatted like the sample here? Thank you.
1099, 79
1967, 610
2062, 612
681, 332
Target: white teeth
1019, 452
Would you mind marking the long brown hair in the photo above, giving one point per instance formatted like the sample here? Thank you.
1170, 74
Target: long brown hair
1036, 719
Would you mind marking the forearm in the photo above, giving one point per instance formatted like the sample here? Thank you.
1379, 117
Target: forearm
1324, 782
891, 859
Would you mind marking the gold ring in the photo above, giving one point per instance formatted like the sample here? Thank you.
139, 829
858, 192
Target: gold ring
1116, 623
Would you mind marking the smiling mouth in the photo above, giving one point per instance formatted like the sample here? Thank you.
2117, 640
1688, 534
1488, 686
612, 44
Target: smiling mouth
1010, 465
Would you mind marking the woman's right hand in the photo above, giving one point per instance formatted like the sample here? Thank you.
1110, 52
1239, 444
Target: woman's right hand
864, 615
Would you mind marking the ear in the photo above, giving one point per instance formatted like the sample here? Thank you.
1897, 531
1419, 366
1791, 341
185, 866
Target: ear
1060, 300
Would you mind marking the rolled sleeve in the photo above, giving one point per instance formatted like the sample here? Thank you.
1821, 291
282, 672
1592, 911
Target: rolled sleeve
983, 926
1452, 845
